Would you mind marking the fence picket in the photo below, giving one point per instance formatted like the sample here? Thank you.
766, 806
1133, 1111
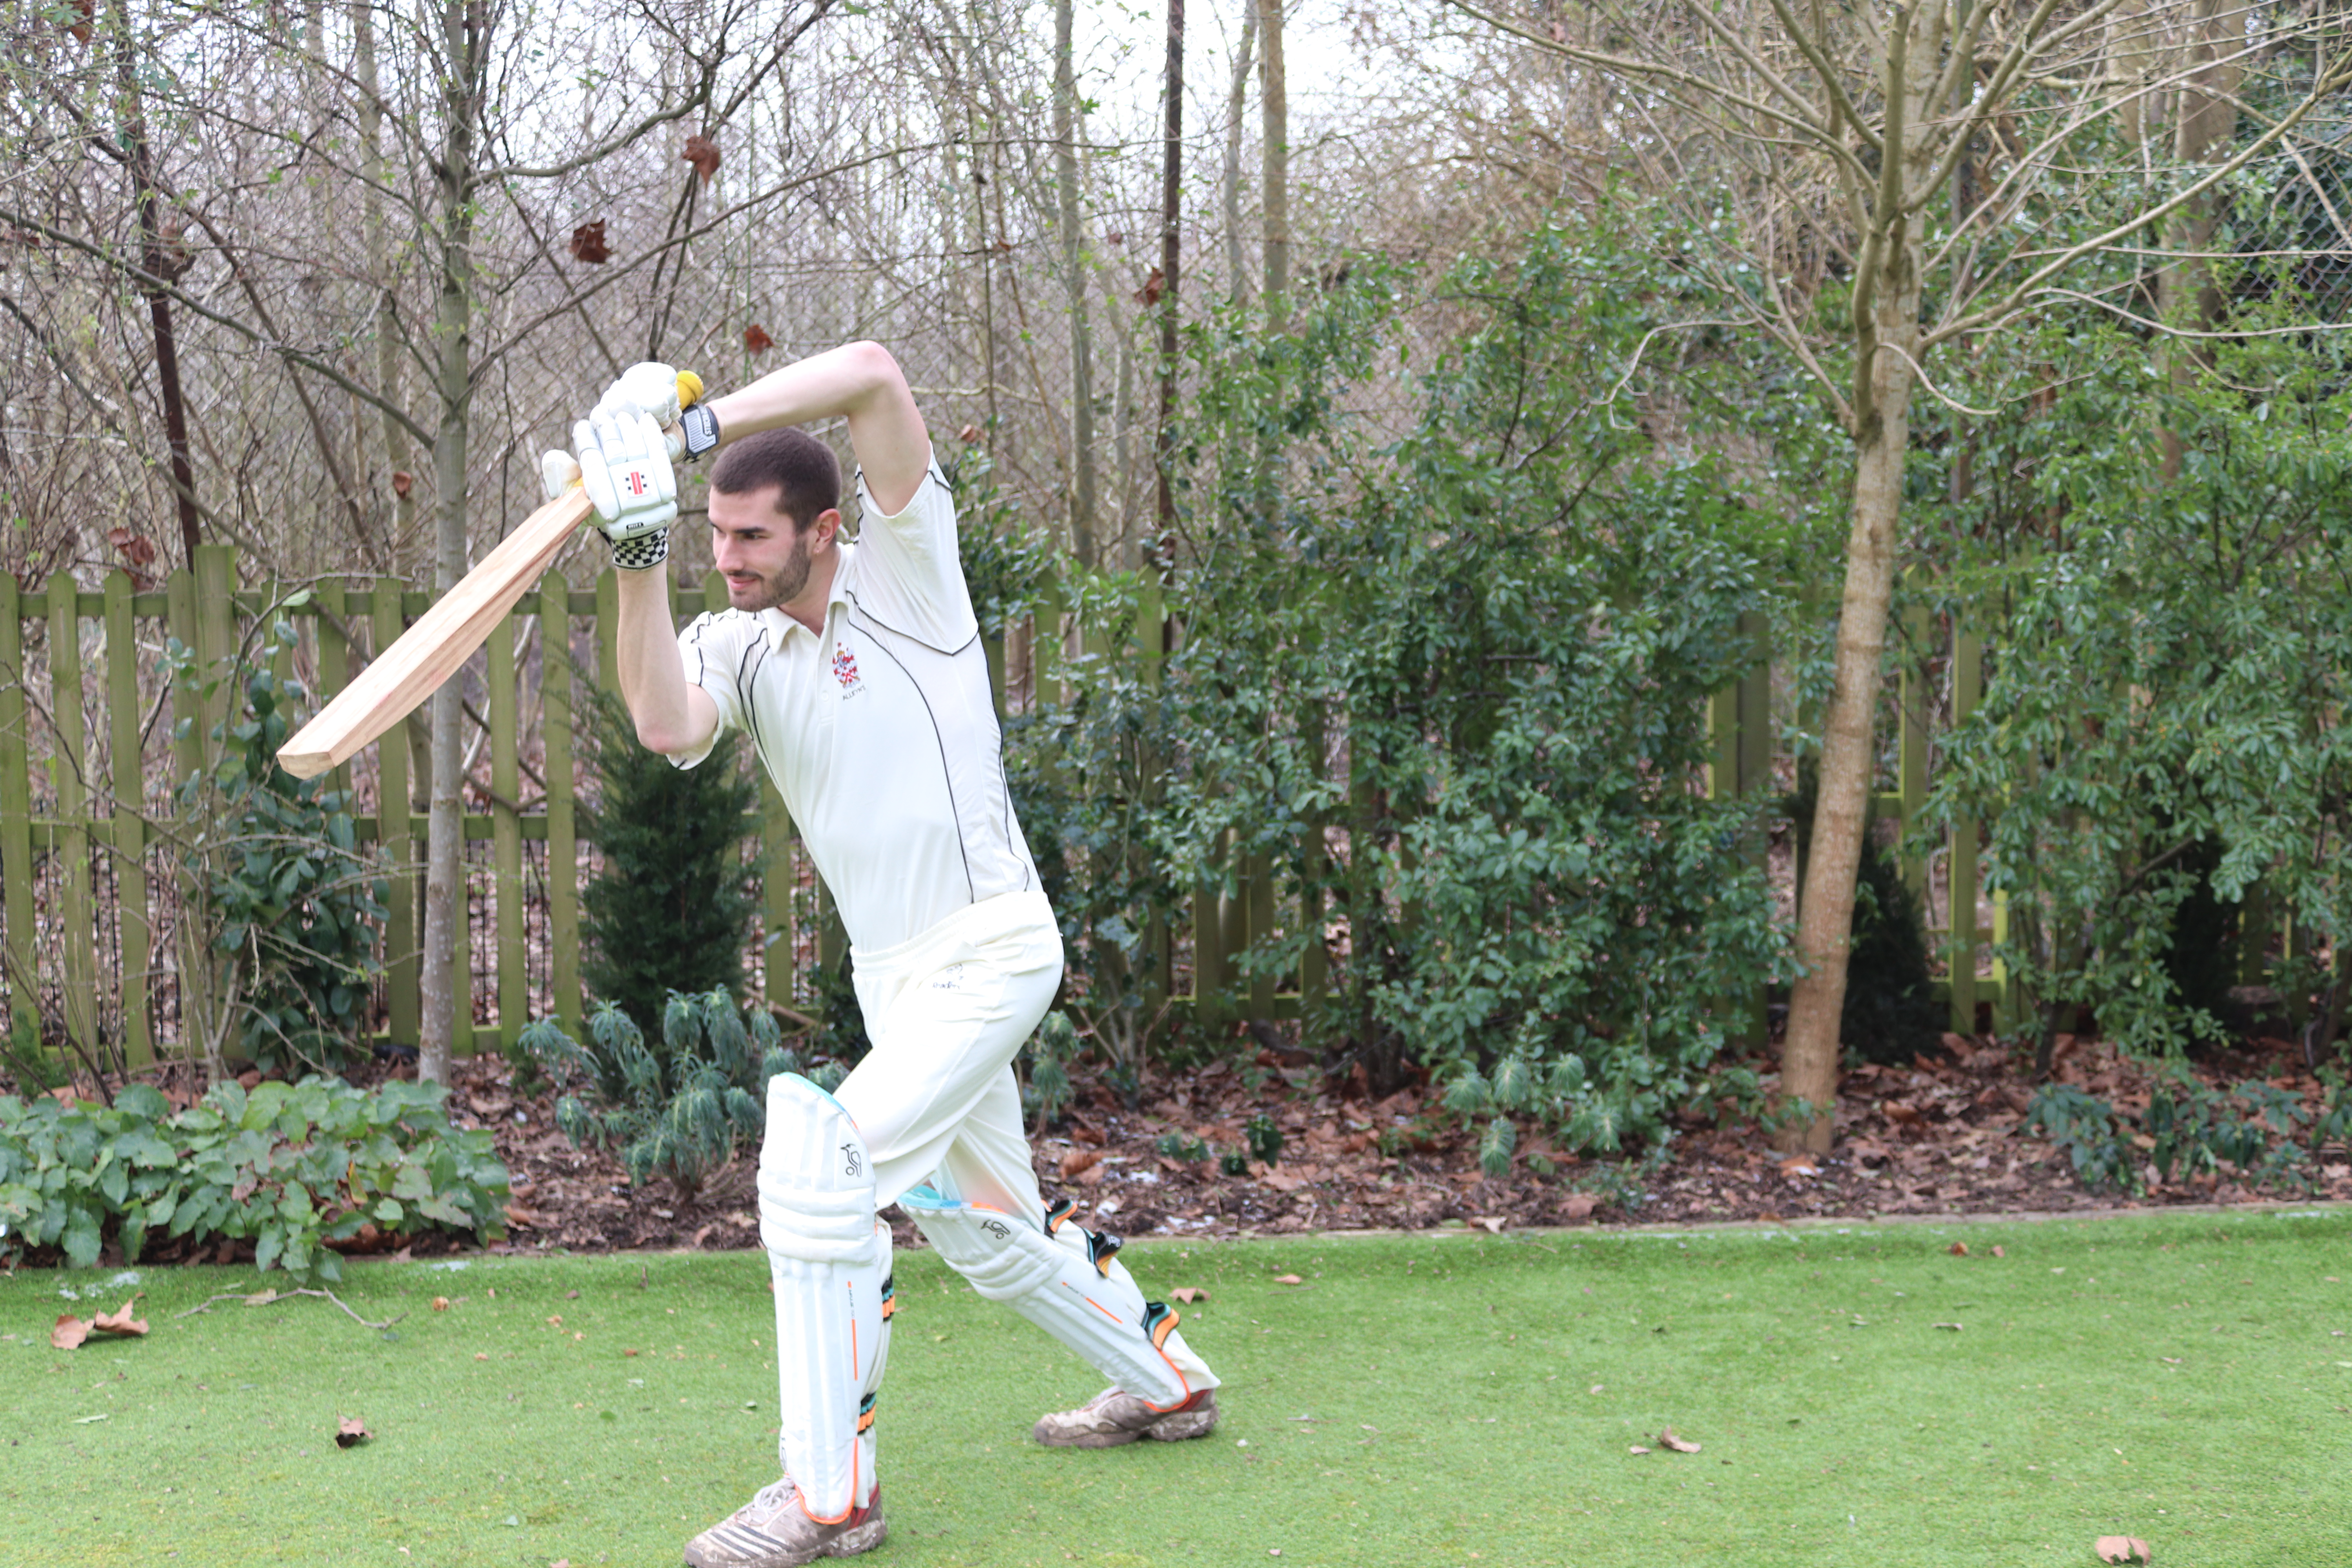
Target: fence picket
128, 809
69, 786
333, 660
403, 1006
16, 812
563, 838
1960, 900
512, 979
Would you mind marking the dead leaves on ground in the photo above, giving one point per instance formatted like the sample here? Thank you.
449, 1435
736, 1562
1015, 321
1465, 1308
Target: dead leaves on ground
1668, 1440
351, 1432
1188, 1294
2122, 1549
71, 1331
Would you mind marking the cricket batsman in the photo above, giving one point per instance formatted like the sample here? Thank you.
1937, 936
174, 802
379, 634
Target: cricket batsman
857, 671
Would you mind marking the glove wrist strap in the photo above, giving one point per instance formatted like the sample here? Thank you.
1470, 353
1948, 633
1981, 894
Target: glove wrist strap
642, 553
702, 430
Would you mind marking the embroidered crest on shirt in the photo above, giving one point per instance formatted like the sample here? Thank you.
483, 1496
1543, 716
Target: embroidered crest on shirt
845, 669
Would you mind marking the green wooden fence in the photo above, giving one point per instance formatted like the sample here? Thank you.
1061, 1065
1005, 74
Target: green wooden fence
91, 905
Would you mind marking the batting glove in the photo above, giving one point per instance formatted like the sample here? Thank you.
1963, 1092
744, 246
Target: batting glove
624, 467
668, 397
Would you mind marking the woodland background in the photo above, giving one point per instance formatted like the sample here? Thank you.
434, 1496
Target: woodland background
1464, 420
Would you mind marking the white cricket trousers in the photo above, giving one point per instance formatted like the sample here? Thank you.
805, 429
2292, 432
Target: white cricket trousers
947, 1012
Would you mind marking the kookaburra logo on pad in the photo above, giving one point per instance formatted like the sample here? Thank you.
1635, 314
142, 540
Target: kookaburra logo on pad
852, 1162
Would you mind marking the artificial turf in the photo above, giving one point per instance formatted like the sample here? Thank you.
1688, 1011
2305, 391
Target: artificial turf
1430, 1399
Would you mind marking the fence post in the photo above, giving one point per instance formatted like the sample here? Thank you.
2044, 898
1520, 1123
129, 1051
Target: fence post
17, 811
69, 768
402, 1007
127, 786
513, 979
1960, 904
334, 656
562, 834
1911, 754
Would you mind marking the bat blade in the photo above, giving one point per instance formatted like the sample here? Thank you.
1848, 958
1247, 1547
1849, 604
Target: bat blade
443, 637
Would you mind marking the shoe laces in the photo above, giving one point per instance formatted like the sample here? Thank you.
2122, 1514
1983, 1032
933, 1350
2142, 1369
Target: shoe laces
774, 1498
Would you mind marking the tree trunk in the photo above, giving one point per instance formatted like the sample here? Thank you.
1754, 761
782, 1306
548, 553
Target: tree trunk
1074, 274
157, 259
463, 27
1236, 105
1171, 177
2203, 128
1887, 346
1274, 165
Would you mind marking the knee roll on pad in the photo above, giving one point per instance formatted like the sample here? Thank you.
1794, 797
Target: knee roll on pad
1068, 1283
829, 1258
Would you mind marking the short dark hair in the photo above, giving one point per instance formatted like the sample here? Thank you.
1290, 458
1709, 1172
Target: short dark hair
803, 470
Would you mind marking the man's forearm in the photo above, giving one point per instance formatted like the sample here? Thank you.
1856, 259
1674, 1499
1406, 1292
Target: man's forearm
652, 671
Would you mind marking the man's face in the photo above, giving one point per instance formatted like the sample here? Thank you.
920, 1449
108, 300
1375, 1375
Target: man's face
763, 557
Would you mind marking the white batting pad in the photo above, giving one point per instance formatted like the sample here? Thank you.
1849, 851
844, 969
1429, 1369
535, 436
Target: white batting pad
829, 1258
1068, 1285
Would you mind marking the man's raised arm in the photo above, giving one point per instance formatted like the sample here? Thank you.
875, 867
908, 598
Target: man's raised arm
860, 382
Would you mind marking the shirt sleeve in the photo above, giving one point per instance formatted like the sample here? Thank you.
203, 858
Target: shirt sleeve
713, 649
909, 575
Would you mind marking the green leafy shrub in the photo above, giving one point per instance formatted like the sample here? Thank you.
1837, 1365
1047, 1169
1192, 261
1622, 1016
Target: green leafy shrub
2262, 1133
1046, 1061
679, 1109
292, 899
1513, 614
674, 904
290, 1167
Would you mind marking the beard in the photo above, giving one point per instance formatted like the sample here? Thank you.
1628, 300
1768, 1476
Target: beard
782, 586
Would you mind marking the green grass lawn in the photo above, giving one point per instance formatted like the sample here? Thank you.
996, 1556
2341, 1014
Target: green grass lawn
1438, 1399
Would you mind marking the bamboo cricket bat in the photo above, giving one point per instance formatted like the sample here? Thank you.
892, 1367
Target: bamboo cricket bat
404, 675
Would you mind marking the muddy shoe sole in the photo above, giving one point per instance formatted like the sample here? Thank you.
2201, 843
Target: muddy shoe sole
1060, 1431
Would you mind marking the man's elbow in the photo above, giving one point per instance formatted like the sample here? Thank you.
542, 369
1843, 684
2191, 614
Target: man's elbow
875, 367
668, 739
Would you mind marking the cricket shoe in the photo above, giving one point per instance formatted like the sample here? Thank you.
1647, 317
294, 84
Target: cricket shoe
1111, 1418
772, 1530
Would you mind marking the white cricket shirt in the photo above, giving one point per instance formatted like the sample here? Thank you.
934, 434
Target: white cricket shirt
881, 734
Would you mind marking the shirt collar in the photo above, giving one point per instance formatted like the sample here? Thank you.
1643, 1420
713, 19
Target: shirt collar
780, 627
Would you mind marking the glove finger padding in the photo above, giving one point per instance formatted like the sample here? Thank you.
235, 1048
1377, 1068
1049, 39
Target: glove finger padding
558, 472
649, 387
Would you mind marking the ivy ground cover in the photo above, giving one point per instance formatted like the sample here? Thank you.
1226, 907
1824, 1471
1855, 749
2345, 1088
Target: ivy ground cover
2186, 1380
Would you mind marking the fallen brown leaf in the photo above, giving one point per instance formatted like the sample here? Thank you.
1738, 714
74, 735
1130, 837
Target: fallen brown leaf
1959, 1249
70, 1332
1188, 1294
119, 1322
2122, 1549
1954, 1327
1078, 1161
1800, 1165
440, 1303
1085, 1131
1493, 1222
1998, 1252
1637, 1448
1288, 1280
1666, 1439
1092, 1175
350, 1432
1579, 1206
